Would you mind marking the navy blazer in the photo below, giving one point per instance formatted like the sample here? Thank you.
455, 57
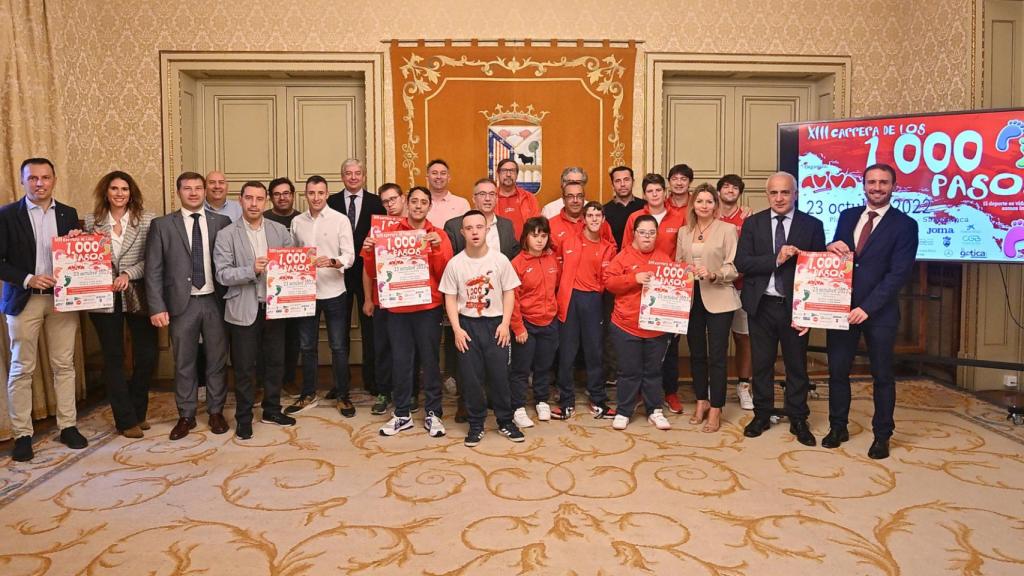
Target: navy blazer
18, 250
755, 253
371, 205
885, 264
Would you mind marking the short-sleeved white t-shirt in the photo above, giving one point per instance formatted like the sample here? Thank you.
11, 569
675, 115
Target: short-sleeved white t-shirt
478, 283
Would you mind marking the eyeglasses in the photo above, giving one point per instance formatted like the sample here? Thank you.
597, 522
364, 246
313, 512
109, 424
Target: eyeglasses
280, 194
646, 233
485, 194
387, 201
575, 197
507, 171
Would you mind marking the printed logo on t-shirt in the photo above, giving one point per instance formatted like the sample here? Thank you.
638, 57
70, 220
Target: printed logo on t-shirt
478, 291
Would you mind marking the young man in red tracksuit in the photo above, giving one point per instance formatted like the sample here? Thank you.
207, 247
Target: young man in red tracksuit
584, 258
415, 331
670, 220
640, 351
534, 322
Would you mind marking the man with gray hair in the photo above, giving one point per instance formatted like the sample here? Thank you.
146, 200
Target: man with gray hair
571, 175
359, 205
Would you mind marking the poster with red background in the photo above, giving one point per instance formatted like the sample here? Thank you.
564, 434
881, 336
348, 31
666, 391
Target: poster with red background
83, 269
961, 176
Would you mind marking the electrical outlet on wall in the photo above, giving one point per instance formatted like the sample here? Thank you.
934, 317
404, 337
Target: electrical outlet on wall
1010, 381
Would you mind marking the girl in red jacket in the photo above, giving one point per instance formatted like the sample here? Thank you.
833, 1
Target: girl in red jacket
640, 351
533, 321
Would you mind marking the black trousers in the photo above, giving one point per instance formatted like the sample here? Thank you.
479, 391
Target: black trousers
771, 326
483, 371
291, 349
670, 366
640, 361
537, 357
128, 397
708, 338
263, 341
582, 329
416, 335
842, 345
384, 383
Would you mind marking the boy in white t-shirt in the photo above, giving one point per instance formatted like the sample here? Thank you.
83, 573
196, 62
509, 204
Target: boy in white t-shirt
479, 293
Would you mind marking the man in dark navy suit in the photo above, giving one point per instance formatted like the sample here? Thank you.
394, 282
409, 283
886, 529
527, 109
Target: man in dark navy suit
766, 256
883, 242
359, 205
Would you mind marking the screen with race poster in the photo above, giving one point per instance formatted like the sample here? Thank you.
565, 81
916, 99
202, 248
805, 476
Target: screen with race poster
960, 175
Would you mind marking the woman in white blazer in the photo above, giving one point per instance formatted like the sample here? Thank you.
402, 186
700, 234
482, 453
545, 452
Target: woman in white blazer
119, 214
709, 246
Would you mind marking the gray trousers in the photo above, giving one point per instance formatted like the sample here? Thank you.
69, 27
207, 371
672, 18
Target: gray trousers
202, 317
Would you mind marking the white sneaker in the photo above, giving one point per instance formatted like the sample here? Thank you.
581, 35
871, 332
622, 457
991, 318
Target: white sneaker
521, 419
449, 386
396, 425
434, 425
746, 399
657, 418
620, 422
543, 411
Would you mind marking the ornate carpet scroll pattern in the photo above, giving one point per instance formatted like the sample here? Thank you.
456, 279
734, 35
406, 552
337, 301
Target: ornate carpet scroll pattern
331, 496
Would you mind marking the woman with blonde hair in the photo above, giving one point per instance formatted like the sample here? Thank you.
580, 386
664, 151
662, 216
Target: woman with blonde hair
709, 246
118, 213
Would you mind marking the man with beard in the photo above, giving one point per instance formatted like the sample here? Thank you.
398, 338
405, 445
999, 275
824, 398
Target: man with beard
514, 202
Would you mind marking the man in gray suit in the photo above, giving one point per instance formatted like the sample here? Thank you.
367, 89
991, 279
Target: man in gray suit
183, 293
501, 234
240, 258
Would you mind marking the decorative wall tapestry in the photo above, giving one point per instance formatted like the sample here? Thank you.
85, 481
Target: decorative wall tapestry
547, 107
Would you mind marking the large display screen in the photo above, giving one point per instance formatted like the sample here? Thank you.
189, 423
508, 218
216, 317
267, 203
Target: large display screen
960, 175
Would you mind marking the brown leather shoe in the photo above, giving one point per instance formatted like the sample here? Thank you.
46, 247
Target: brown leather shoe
181, 429
218, 425
133, 432
144, 425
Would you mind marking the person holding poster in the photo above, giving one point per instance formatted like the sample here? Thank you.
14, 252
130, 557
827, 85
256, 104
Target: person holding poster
670, 222
414, 330
765, 255
584, 257
394, 204
534, 321
479, 294
884, 245
730, 188
27, 229
641, 351
118, 213
708, 245
240, 259
183, 294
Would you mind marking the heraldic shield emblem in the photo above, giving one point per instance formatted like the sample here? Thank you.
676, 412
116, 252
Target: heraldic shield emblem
520, 141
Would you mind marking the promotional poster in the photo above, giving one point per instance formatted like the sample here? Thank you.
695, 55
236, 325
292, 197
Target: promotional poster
665, 300
291, 282
822, 289
380, 224
961, 176
84, 272
403, 272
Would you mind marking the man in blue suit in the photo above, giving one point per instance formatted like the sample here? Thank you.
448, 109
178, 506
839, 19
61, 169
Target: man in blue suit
884, 244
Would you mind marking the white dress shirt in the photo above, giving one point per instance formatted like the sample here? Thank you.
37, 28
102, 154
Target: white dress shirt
186, 215
359, 202
493, 239
786, 224
117, 240
331, 234
44, 227
864, 220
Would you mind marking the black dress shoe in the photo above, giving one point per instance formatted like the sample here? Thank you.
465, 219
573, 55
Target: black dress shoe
243, 430
803, 434
218, 425
835, 437
22, 449
72, 438
879, 449
756, 427
181, 429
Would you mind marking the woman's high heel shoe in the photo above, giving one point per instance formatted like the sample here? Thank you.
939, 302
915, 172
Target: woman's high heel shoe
700, 412
714, 420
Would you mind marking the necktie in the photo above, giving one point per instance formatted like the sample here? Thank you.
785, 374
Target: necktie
780, 240
352, 210
866, 231
198, 270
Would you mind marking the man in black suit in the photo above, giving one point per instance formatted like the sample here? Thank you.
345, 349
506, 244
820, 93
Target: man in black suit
884, 242
27, 228
183, 293
501, 234
766, 256
359, 204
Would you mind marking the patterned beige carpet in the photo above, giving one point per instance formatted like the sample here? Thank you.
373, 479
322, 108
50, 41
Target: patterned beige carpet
330, 496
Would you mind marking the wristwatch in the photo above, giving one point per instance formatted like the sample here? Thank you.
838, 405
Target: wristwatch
334, 262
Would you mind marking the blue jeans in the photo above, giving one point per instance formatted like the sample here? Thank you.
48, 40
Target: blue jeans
336, 311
